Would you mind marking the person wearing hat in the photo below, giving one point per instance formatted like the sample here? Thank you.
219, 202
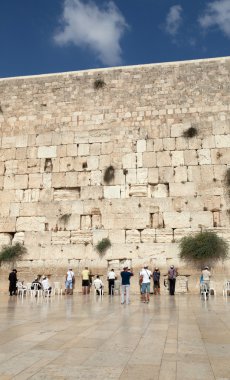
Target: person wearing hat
156, 281
206, 274
46, 285
125, 284
172, 275
69, 281
145, 277
13, 282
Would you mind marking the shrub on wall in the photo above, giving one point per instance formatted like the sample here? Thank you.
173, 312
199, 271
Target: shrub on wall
103, 245
11, 253
203, 248
98, 83
109, 174
190, 132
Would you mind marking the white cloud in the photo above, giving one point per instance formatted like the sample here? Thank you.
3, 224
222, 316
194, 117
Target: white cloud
99, 29
217, 14
173, 20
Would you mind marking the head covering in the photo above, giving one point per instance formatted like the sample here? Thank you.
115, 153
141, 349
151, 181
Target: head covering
145, 265
171, 266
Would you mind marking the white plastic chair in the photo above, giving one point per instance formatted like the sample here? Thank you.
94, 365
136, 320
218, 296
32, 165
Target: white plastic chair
35, 291
22, 289
57, 289
116, 287
212, 288
98, 289
204, 291
226, 288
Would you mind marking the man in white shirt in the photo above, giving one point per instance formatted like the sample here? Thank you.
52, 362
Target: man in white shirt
98, 284
46, 285
206, 277
111, 280
69, 281
145, 279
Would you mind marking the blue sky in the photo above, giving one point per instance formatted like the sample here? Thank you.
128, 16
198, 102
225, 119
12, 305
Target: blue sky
47, 36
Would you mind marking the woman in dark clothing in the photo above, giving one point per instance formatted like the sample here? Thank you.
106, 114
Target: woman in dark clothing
13, 281
156, 281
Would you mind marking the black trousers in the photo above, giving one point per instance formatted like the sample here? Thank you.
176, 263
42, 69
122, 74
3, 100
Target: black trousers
172, 284
111, 284
12, 288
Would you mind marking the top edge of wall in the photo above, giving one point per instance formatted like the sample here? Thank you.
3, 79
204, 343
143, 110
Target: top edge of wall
114, 68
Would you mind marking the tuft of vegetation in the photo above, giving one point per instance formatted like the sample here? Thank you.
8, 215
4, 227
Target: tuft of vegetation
109, 174
227, 181
64, 218
103, 245
11, 253
1, 110
203, 248
98, 83
190, 132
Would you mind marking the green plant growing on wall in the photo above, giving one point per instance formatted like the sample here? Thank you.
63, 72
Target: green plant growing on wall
65, 218
11, 253
103, 245
190, 132
98, 83
109, 174
203, 248
227, 181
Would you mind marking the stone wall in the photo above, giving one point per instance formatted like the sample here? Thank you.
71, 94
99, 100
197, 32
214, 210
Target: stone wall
59, 133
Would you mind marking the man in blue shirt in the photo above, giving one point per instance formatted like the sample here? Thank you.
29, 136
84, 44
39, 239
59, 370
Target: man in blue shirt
125, 284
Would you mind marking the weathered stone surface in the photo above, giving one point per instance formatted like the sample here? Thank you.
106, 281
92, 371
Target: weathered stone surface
165, 185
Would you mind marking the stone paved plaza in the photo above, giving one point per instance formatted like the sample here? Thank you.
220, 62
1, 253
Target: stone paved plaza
83, 337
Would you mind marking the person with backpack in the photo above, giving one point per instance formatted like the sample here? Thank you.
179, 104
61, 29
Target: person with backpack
172, 275
156, 281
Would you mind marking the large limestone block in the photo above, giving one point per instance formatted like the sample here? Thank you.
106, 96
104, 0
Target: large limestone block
153, 175
149, 159
9, 182
92, 192
142, 175
96, 177
70, 179
112, 192
169, 143
35, 180
182, 189
60, 237
83, 150
212, 203
158, 191
28, 209
222, 141
7, 224
46, 180
44, 139
177, 158
13, 211
21, 181
166, 175
132, 236
59, 179
180, 174
117, 236
66, 194
204, 157
7, 154
164, 159
36, 238
131, 176
141, 146
30, 223
98, 235
138, 191
47, 151
11, 167
5, 239
81, 237
220, 156
177, 219
148, 235
190, 157
201, 218
129, 161
164, 235
73, 222
178, 129
67, 164
92, 162
84, 178
8, 141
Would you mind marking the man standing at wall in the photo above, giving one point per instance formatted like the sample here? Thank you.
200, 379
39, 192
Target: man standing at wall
172, 275
13, 282
145, 276
85, 274
69, 281
125, 285
111, 280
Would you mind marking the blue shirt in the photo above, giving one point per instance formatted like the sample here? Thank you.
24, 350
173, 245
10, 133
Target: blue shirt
125, 277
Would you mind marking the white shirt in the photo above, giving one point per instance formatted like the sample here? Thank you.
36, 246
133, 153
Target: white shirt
70, 275
111, 275
146, 275
45, 284
206, 275
98, 283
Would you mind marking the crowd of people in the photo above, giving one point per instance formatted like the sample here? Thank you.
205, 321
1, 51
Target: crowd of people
145, 278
